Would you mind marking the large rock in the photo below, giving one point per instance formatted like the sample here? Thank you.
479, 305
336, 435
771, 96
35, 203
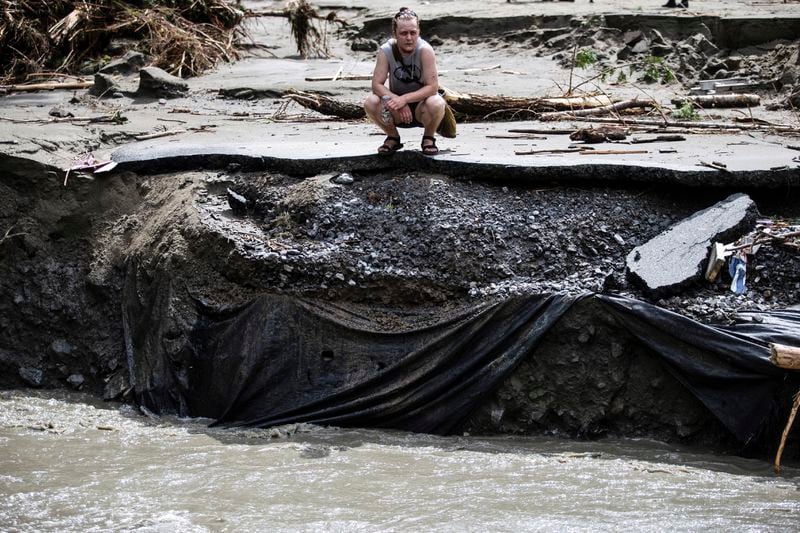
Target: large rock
131, 62
154, 81
104, 85
676, 257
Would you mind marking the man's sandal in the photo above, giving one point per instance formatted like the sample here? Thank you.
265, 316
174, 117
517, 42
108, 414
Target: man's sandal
430, 148
386, 148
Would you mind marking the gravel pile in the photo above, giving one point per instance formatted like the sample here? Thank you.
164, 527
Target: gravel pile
418, 238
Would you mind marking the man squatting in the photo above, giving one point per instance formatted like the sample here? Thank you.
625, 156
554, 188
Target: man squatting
412, 98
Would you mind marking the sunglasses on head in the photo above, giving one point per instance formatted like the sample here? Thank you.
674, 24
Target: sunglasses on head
406, 13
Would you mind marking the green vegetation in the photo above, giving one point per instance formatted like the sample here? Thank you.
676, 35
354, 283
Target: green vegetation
686, 112
585, 58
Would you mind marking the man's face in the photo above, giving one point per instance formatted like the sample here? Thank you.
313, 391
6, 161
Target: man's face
407, 33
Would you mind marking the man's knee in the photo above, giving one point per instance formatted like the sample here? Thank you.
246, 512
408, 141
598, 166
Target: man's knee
371, 103
435, 104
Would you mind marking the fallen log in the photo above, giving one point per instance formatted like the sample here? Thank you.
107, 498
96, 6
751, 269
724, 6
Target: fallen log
483, 104
719, 100
784, 356
47, 86
326, 106
604, 110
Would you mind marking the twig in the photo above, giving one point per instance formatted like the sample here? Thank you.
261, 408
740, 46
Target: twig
789, 423
556, 151
10, 235
627, 104
614, 152
47, 86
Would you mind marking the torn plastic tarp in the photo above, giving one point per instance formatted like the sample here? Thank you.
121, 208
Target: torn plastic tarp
280, 359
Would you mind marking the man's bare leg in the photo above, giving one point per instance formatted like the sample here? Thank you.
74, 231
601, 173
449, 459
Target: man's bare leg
430, 113
373, 108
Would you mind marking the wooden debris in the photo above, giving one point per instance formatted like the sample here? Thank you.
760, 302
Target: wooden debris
167, 133
614, 152
789, 422
525, 136
784, 356
716, 260
26, 88
326, 106
689, 124
719, 100
599, 135
344, 77
715, 165
634, 103
544, 131
659, 139
554, 151
482, 104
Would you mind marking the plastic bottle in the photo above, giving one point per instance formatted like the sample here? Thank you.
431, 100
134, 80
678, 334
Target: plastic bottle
386, 115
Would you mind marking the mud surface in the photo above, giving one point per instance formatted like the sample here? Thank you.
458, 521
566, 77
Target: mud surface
388, 240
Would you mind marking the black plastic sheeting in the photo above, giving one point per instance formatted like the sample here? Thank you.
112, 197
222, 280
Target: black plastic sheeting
279, 359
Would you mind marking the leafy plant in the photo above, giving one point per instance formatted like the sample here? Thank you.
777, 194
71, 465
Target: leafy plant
655, 70
585, 58
686, 112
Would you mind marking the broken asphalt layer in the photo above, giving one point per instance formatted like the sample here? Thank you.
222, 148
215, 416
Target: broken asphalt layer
217, 133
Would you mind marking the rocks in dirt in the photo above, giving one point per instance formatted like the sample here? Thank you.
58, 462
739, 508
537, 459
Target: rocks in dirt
154, 81
343, 179
32, 376
675, 258
76, 381
130, 63
238, 203
104, 85
61, 347
361, 44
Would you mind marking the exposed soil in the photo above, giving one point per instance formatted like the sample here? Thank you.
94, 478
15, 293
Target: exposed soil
387, 242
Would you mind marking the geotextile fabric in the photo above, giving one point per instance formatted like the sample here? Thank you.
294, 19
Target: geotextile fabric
280, 359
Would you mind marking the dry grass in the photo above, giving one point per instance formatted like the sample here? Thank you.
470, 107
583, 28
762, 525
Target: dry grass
310, 38
184, 37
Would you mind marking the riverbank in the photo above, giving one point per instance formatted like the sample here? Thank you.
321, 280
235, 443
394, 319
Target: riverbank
402, 237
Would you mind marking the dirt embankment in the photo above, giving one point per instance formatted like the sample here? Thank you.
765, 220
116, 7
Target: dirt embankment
387, 241
384, 242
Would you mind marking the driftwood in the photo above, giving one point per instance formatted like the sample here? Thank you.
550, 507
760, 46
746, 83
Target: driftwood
659, 139
326, 106
784, 356
689, 124
343, 77
788, 427
555, 151
483, 104
47, 86
546, 131
604, 110
719, 100
613, 152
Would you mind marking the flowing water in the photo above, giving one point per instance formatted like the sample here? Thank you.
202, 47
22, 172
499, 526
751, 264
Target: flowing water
69, 463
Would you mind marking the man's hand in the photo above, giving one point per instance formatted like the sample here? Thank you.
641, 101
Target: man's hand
399, 107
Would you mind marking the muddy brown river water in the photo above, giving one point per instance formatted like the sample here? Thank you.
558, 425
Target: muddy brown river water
69, 463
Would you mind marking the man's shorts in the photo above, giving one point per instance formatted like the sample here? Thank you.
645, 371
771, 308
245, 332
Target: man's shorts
414, 122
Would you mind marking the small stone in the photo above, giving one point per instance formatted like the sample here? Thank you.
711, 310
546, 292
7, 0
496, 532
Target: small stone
343, 179
76, 381
32, 376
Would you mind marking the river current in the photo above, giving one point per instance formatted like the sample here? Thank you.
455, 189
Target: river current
71, 463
